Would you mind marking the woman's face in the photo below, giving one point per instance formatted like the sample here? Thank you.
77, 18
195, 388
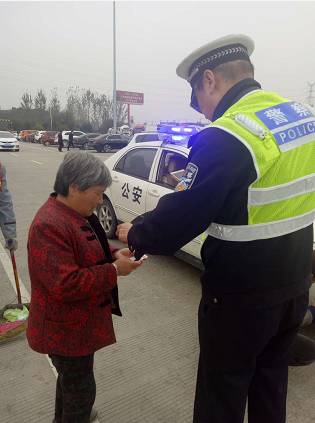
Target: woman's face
85, 202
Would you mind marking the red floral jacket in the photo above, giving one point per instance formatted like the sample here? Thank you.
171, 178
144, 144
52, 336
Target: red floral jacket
72, 285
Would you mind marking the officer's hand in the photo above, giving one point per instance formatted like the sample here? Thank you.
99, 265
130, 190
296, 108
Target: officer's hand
122, 231
126, 265
11, 244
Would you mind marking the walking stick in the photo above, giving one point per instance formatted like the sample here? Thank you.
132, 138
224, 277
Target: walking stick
16, 277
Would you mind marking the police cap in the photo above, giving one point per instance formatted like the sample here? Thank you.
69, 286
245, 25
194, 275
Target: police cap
213, 54
222, 50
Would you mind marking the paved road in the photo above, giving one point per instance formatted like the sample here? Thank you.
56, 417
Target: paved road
149, 375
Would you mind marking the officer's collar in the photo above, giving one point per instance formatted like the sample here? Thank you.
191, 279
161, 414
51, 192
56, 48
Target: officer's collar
234, 94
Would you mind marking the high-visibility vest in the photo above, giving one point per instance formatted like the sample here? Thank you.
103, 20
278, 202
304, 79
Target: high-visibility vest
280, 136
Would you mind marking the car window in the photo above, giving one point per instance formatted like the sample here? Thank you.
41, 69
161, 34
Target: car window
77, 133
170, 162
147, 137
114, 137
151, 137
139, 138
137, 162
6, 135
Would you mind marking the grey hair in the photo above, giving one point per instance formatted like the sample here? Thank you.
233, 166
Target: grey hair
82, 169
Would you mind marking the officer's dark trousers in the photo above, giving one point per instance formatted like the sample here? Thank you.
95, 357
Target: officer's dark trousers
244, 353
75, 389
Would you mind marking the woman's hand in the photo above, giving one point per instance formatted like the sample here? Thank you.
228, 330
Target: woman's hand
126, 265
124, 252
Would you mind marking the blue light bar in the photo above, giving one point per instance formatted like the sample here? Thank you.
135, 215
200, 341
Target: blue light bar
178, 130
178, 137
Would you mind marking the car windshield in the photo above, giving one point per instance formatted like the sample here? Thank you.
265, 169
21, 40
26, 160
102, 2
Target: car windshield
6, 135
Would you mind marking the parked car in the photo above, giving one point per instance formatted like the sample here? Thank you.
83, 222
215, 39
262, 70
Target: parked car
8, 142
25, 132
48, 138
107, 143
140, 174
84, 141
65, 137
147, 137
38, 135
30, 137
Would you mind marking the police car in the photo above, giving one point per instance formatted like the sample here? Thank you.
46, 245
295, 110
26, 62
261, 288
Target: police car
142, 173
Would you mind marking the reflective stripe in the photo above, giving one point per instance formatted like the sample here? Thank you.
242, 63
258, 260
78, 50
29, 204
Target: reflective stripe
260, 196
261, 230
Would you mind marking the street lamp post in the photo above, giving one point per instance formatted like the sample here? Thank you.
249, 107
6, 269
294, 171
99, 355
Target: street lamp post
114, 71
50, 118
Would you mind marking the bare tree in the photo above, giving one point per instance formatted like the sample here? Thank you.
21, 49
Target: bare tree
101, 110
87, 100
40, 100
27, 101
121, 112
54, 103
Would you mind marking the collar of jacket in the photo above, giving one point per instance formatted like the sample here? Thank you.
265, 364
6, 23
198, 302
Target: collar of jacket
69, 211
234, 94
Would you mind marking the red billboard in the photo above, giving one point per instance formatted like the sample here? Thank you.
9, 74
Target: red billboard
128, 97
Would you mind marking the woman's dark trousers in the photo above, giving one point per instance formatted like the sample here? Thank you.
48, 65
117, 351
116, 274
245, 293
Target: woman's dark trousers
75, 389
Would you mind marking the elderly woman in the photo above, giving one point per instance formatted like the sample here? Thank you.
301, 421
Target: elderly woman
73, 274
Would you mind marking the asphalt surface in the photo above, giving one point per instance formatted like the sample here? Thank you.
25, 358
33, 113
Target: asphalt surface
148, 376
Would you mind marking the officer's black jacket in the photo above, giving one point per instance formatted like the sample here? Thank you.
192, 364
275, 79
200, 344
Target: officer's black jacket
269, 270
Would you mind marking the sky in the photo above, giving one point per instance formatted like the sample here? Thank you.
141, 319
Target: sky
62, 44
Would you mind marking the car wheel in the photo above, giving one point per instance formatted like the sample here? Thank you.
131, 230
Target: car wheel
85, 146
46, 143
107, 217
107, 148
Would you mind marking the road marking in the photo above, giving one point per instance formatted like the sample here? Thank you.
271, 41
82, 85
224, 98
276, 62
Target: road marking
14, 154
7, 265
34, 161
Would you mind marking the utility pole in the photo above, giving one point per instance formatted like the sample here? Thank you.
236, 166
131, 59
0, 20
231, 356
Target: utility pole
310, 98
50, 118
114, 71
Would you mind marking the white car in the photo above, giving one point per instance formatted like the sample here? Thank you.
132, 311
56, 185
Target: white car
145, 137
8, 142
142, 173
38, 135
65, 136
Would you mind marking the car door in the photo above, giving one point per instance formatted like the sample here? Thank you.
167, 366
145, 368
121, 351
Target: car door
162, 185
130, 182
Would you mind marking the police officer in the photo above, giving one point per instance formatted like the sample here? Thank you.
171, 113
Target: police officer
70, 140
60, 141
249, 187
7, 216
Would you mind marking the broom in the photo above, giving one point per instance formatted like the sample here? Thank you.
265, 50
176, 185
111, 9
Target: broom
11, 329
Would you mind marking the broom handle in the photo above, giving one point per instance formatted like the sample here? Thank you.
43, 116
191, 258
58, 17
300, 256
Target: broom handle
16, 277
